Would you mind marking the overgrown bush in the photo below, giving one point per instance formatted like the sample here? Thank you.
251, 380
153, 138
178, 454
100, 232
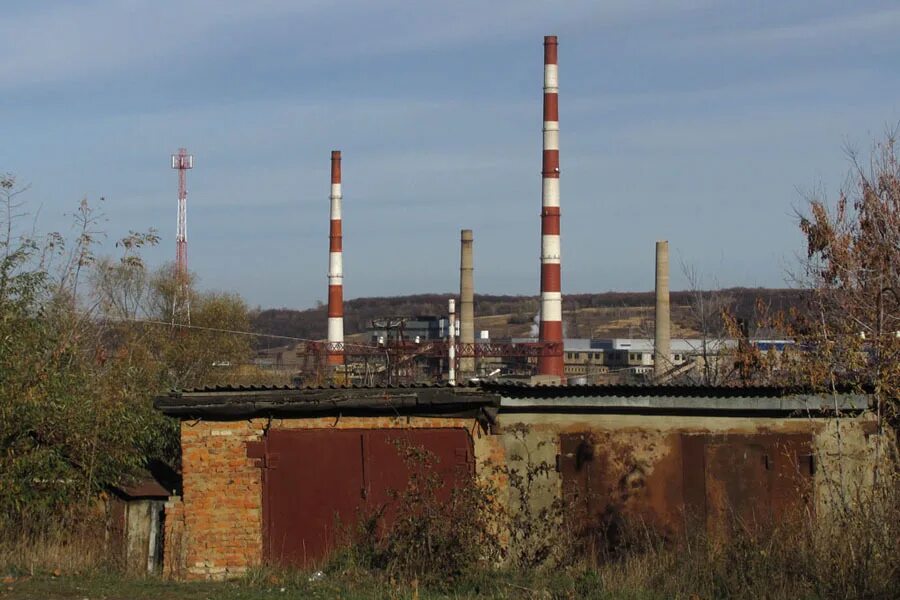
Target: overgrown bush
538, 531
82, 353
429, 531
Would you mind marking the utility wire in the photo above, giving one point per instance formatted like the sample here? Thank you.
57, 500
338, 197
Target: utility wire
220, 330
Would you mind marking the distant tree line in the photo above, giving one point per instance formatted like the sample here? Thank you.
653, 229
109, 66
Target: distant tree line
359, 312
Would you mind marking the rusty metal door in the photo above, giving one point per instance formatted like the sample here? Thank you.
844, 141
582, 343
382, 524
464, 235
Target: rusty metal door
747, 480
392, 456
586, 490
313, 486
317, 483
737, 487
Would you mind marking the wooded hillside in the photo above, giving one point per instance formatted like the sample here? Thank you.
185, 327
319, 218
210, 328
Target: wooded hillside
609, 314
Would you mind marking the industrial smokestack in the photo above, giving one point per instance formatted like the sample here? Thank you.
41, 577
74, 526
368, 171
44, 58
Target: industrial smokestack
335, 350
662, 361
451, 347
551, 363
466, 306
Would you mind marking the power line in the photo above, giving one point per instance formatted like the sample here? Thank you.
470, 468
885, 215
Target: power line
220, 330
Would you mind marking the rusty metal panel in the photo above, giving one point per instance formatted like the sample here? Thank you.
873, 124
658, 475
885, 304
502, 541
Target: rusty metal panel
313, 483
748, 480
587, 492
738, 486
793, 467
693, 458
582, 475
319, 482
387, 472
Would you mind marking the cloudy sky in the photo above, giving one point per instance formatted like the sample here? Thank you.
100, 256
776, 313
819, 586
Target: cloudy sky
697, 121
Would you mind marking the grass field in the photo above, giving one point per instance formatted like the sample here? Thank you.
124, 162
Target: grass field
362, 587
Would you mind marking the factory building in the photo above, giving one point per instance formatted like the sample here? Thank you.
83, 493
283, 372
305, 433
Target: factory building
611, 359
416, 329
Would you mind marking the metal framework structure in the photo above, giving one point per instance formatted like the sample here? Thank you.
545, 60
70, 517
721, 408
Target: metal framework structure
182, 161
395, 361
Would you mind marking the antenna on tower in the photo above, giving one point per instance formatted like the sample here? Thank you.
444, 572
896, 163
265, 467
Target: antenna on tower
182, 161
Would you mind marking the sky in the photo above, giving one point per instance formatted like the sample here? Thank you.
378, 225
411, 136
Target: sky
704, 122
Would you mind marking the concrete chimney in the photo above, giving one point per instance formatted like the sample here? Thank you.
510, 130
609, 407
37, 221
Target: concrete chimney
662, 341
335, 347
551, 363
466, 306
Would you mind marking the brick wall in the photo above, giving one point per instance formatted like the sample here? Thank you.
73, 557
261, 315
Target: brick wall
173, 538
221, 503
214, 531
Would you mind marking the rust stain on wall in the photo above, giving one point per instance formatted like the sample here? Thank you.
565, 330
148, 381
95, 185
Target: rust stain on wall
615, 481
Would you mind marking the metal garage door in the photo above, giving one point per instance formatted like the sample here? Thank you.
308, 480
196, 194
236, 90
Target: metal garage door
746, 481
317, 480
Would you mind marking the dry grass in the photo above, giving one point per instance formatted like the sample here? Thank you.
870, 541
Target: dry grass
850, 553
79, 548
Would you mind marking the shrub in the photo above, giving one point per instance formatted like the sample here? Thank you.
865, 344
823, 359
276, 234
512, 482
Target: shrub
427, 532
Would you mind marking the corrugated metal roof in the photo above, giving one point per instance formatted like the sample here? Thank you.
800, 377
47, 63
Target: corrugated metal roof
675, 399
526, 389
245, 400
293, 388
521, 389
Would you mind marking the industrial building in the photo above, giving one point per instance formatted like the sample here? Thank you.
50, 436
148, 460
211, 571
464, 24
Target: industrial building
418, 329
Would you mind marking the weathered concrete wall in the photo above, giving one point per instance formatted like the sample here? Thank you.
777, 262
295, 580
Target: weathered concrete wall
641, 457
214, 530
847, 452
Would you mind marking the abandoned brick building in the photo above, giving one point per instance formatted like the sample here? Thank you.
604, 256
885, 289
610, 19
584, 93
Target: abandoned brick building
266, 470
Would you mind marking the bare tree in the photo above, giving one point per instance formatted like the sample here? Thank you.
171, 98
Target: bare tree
851, 331
709, 310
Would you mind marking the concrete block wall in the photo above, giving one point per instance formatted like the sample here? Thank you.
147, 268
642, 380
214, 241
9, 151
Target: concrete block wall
642, 454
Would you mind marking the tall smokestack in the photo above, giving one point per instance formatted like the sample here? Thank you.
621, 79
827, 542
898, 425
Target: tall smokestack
551, 290
451, 346
466, 306
662, 340
335, 269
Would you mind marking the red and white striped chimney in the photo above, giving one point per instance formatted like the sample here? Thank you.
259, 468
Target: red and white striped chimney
335, 269
551, 363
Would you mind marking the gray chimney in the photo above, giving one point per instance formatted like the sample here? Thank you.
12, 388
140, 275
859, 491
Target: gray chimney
466, 306
662, 342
